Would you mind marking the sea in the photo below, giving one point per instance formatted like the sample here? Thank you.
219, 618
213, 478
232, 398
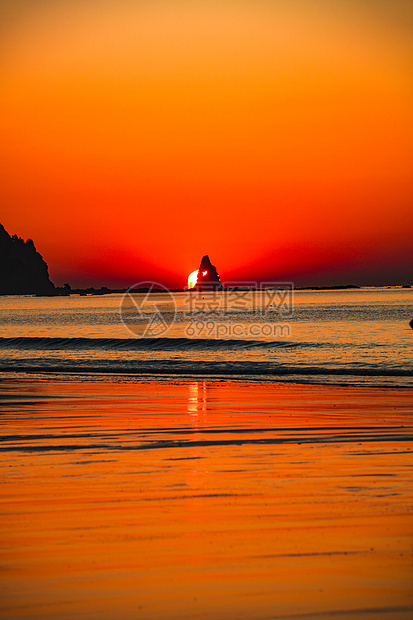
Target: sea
340, 337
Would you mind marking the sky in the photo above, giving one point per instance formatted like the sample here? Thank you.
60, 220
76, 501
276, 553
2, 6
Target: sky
137, 136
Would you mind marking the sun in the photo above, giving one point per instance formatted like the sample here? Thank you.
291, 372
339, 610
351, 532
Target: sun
192, 278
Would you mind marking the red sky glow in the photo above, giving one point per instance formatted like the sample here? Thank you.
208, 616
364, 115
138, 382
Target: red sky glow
135, 137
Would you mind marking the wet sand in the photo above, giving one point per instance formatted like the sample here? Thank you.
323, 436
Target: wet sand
192, 499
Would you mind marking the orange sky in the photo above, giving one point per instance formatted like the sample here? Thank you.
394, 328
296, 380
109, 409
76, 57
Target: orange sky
274, 136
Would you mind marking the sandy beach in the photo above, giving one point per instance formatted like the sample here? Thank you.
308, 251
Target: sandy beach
205, 499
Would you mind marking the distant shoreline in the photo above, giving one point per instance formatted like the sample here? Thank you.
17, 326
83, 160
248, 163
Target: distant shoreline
64, 292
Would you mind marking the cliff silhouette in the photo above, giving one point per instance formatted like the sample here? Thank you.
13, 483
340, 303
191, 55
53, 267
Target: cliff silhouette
22, 269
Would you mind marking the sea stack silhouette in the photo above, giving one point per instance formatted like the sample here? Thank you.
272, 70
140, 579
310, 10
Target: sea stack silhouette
208, 278
22, 269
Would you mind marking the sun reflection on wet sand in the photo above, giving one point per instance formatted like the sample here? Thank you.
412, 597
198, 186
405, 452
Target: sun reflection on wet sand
197, 397
205, 499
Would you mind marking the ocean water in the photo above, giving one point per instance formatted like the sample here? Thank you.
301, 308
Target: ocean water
348, 337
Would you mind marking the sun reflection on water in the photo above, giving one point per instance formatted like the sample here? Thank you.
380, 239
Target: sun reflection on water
197, 398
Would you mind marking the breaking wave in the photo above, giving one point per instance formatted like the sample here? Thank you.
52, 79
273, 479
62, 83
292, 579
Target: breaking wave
194, 368
136, 344
250, 360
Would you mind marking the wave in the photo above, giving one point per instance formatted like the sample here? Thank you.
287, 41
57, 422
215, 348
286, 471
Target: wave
136, 344
195, 368
192, 358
